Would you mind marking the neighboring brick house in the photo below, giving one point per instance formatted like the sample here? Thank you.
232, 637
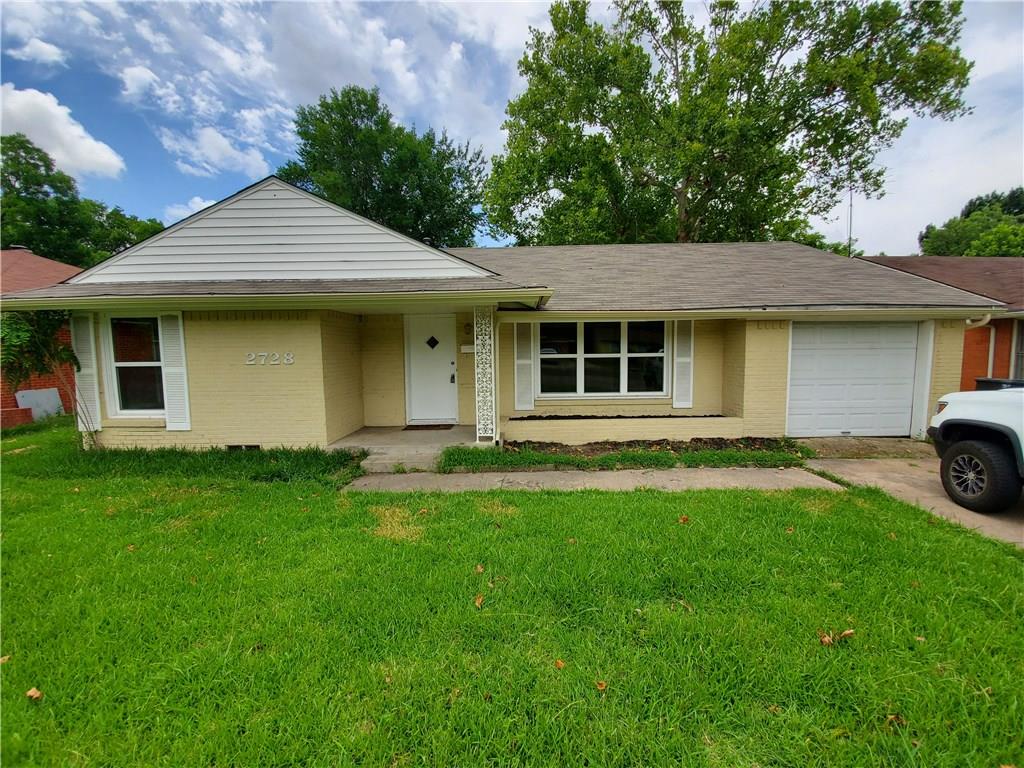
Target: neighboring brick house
21, 270
993, 350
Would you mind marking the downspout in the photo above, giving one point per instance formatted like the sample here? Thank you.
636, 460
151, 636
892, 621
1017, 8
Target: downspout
991, 348
980, 322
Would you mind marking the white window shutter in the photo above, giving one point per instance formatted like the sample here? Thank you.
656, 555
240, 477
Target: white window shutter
172, 355
524, 366
682, 369
87, 380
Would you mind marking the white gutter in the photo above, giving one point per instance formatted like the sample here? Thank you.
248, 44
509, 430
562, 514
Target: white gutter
980, 322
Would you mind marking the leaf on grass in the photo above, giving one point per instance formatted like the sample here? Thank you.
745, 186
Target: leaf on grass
919, 639
774, 709
891, 536
684, 519
898, 720
34, 693
790, 529
915, 584
478, 601
601, 685
570, 540
479, 568
5, 659
559, 664
829, 638
132, 547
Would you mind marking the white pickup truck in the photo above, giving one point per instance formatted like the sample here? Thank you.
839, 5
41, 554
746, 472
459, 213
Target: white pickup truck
980, 438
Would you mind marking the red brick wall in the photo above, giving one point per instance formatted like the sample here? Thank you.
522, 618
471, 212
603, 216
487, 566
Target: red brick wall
976, 345
7, 399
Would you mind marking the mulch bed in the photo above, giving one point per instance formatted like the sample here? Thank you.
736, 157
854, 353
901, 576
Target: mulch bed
675, 446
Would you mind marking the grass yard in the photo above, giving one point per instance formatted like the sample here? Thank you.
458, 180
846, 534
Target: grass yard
596, 456
208, 618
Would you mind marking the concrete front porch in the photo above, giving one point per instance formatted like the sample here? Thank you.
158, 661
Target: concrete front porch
410, 448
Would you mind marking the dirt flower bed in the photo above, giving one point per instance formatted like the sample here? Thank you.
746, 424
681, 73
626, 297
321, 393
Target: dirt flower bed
671, 446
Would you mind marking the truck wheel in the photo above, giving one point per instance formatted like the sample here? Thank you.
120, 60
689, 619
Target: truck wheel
980, 476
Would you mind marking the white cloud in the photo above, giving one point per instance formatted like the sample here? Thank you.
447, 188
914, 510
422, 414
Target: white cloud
160, 42
178, 211
207, 152
40, 52
136, 81
139, 83
26, 20
49, 124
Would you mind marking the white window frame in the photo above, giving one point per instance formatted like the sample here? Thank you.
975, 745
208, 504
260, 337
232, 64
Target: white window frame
623, 355
112, 392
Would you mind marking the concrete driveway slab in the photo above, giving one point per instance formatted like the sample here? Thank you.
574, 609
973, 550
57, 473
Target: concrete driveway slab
680, 479
917, 481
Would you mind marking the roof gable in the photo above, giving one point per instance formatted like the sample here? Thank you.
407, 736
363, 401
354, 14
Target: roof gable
275, 231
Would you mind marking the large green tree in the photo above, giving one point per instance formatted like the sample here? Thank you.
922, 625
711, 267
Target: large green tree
663, 128
988, 225
353, 152
41, 209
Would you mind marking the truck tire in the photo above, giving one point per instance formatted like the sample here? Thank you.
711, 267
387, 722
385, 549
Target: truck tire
980, 476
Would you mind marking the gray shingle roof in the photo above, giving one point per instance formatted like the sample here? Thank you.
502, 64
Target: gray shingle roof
273, 287
661, 277
702, 276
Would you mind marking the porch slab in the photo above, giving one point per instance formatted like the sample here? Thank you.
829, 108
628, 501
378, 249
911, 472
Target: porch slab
679, 479
389, 447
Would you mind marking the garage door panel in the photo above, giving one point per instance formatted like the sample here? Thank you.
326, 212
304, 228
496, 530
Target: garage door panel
852, 378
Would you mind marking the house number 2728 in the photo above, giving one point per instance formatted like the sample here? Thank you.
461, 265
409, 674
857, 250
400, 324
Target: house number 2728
269, 358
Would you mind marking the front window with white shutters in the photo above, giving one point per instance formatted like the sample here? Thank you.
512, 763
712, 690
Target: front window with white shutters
602, 359
136, 367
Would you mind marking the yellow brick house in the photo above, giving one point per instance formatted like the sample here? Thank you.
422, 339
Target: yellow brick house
275, 318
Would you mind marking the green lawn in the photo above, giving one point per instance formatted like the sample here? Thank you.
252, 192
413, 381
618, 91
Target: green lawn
732, 453
209, 618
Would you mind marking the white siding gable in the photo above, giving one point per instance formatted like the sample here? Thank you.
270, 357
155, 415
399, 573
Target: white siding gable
274, 231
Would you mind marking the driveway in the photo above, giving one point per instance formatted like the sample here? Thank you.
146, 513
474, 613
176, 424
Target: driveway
917, 481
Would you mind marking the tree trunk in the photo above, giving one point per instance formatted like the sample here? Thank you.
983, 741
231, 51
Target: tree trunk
683, 234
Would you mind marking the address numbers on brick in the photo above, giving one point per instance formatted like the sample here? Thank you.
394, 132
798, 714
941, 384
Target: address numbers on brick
269, 358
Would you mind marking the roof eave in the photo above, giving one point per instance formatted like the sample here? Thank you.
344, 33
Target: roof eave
531, 296
825, 312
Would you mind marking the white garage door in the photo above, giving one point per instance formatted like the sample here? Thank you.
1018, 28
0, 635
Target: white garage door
852, 379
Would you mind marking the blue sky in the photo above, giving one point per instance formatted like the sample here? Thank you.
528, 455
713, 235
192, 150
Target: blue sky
164, 107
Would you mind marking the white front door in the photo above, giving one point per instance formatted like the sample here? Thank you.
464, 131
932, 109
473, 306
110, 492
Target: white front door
431, 389
852, 379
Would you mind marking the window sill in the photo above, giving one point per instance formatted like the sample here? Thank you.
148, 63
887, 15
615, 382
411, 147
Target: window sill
652, 396
134, 421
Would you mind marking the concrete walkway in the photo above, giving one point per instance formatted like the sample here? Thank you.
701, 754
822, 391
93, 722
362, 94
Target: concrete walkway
681, 479
388, 447
917, 481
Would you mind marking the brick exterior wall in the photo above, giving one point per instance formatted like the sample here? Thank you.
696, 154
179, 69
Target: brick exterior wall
976, 348
61, 380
